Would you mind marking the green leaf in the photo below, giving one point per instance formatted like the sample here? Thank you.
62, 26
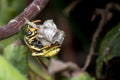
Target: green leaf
16, 54
109, 48
39, 71
82, 76
9, 9
8, 72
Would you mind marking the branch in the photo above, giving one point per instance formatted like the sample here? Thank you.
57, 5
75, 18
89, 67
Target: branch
15, 25
70, 7
105, 17
113, 6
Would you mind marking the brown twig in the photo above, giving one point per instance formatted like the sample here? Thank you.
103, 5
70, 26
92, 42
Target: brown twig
113, 6
105, 17
14, 25
70, 7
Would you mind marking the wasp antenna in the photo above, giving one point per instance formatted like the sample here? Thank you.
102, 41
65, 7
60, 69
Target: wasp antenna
30, 23
36, 21
26, 20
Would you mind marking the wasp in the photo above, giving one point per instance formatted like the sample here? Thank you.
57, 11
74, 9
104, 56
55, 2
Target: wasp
34, 44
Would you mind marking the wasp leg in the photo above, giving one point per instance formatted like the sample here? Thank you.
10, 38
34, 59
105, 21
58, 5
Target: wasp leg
49, 52
39, 54
30, 49
39, 49
45, 47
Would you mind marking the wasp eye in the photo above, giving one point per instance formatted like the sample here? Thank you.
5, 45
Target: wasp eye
28, 33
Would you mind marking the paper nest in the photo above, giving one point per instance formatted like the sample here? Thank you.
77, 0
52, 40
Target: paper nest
48, 33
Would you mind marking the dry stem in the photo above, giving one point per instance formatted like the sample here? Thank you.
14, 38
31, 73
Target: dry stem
105, 17
15, 24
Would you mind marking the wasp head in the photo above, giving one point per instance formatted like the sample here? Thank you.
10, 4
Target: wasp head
31, 32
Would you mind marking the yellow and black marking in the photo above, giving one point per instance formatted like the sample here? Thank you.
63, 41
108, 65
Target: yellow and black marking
35, 45
47, 52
